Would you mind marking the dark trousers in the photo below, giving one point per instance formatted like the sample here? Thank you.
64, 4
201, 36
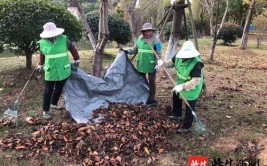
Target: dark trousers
151, 83
177, 110
52, 92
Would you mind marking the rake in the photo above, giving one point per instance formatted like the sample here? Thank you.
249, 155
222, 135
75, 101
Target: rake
199, 128
11, 114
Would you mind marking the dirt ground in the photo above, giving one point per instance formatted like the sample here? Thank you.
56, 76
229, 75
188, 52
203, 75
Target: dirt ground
234, 109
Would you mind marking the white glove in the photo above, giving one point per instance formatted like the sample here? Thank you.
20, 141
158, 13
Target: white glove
39, 68
178, 88
160, 62
157, 68
77, 62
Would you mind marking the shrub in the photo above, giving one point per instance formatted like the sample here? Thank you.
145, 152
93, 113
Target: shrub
230, 32
119, 29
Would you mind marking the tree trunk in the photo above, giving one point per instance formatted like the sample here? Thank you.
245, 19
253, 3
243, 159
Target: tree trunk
192, 24
176, 25
87, 28
213, 46
102, 38
244, 39
133, 21
28, 60
210, 6
165, 21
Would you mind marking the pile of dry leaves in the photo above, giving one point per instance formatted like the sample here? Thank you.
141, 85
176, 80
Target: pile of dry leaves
127, 135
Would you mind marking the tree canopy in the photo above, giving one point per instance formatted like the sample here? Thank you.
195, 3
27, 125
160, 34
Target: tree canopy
22, 21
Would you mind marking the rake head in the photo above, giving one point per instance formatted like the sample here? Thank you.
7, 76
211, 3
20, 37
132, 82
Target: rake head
11, 114
200, 129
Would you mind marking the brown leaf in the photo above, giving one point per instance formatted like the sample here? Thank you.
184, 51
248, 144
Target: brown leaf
118, 158
97, 158
45, 148
36, 133
115, 148
20, 147
106, 157
160, 150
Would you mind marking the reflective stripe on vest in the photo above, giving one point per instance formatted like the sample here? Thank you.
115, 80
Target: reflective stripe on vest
52, 56
182, 77
145, 51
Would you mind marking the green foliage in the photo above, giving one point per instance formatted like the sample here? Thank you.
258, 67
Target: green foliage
89, 7
230, 32
22, 21
119, 29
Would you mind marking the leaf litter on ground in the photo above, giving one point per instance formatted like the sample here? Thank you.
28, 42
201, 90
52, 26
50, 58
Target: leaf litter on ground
124, 136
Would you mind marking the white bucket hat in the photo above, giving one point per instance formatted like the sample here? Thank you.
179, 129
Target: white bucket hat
147, 27
188, 51
51, 30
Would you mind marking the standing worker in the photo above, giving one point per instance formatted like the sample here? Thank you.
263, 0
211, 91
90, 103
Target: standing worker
147, 62
55, 62
189, 80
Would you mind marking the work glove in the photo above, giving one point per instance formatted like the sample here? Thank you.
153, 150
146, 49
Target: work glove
159, 64
126, 52
76, 63
178, 88
39, 68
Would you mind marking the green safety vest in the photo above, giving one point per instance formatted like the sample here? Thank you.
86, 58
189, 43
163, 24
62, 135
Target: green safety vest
57, 63
146, 60
183, 70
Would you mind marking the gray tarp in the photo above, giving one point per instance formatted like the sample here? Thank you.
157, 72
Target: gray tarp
84, 93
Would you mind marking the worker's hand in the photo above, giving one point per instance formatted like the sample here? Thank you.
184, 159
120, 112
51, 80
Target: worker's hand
160, 62
178, 88
157, 67
126, 52
76, 62
39, 68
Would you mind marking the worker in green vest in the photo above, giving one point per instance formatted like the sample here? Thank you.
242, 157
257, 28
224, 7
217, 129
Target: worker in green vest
55, 62
147, 62
189, 80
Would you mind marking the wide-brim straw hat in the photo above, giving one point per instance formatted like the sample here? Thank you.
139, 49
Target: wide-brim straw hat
147, 27
51, 30
188, 50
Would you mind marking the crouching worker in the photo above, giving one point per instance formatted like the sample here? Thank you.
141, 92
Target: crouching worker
189, 80
55, 62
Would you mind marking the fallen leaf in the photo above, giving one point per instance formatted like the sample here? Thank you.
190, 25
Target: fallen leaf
20, 147
147, 151
118, 158
160, 150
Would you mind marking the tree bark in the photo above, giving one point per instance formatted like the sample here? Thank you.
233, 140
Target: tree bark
102, 38
244, 39
28, 60
192, 24
87, 28
133, 20
209, 4
176, 24
213, 46
165, 21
